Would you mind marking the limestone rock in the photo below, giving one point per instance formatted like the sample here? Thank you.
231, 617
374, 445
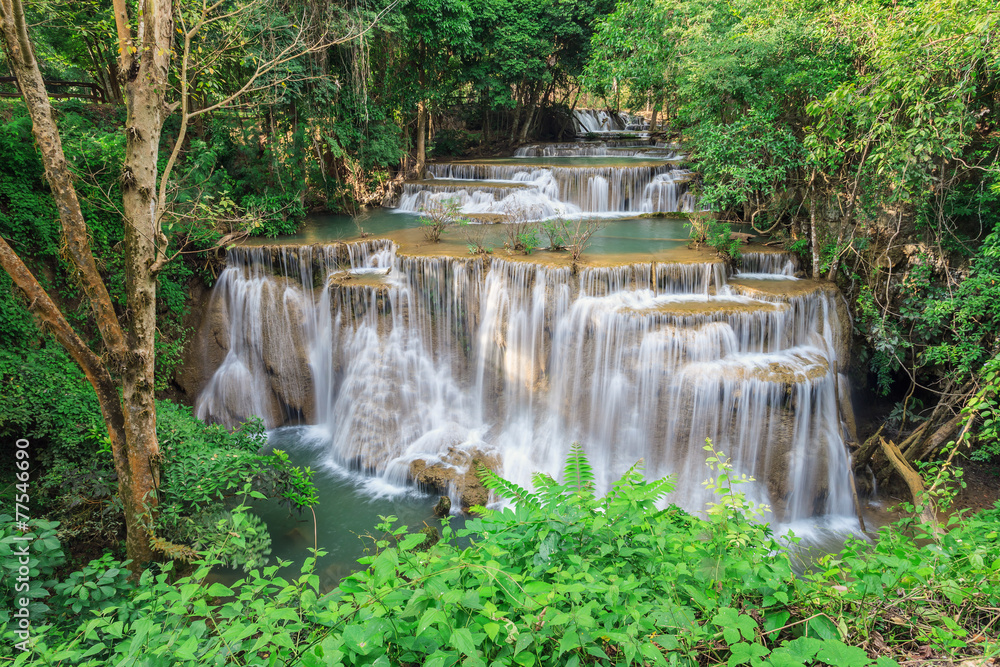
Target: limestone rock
209, 345
456, 470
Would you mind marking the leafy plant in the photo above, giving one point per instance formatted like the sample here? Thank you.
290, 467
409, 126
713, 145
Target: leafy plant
437, 217
520, 229
553, 230
475, 238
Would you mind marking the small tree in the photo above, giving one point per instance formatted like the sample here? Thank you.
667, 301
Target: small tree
578, 234
437, 217
475, 237
520, 228
556, 234
167, 54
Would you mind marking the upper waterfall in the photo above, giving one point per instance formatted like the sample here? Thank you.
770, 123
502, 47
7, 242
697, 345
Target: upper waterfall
650, 186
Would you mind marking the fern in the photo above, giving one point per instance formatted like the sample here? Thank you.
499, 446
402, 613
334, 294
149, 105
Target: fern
578, 472
548, 490
507, 489
173, 551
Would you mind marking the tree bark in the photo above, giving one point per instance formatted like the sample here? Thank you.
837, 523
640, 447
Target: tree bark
921, 502
131, 419
816, 273
145, 88
421, 137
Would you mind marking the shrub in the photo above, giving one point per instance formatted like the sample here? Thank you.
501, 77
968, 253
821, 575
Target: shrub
567, 577
437, 217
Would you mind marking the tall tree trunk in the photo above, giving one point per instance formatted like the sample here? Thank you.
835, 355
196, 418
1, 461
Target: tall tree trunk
816, 273
421, 137
145, 87
131, 421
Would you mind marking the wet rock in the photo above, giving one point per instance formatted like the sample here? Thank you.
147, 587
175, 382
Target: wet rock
207, 348
443, 506
284, 352
431, 537
457, 470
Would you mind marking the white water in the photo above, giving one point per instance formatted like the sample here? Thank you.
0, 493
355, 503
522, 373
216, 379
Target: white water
610, 147
547, 192
446, 359
596, 121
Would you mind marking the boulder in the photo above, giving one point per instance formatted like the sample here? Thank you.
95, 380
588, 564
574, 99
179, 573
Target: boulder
458, 470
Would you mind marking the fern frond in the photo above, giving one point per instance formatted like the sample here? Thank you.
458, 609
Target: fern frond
480, 510
653, 491
543, 480
549, 491
181, 552
629, 479
578, 472
507, 489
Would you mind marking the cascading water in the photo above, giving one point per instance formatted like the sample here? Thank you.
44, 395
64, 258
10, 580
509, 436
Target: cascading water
547, 192
416, 367
768, 265
596, 121
609, 147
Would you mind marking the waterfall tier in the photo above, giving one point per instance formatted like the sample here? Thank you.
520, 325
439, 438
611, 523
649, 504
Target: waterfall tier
406, 364
608, 148
546, 192
598, 121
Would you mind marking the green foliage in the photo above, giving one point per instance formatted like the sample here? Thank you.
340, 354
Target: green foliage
565, 577
437, 217
745, 162
527, 241
715, 234
204, 466
99, 587
886, 341
554, 230
46, 398
984, 409
45, 556
947, 589
453, 142
961, 327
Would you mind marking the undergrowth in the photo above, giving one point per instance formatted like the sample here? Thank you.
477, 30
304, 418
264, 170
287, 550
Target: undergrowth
562, 576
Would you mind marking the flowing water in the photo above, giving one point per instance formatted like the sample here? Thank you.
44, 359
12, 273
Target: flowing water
605, 185
402, 370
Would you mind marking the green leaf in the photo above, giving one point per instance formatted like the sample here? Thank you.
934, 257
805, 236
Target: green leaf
838, 654
461, 639
822, 627
218, 590
429, 617
775, 619
744, 652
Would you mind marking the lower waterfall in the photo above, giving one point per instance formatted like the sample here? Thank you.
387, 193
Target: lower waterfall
413, 369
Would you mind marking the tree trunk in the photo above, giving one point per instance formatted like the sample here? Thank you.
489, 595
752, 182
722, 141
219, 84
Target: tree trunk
145, 88
131, 421
816, 273
921, 502
421, 137
527, 124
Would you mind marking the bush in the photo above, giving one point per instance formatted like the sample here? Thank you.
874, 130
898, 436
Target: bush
437, 217
568, 578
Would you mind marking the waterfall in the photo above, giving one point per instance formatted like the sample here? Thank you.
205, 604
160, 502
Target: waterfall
547, 192
594, 121
409, 366
768, 265
606, 148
